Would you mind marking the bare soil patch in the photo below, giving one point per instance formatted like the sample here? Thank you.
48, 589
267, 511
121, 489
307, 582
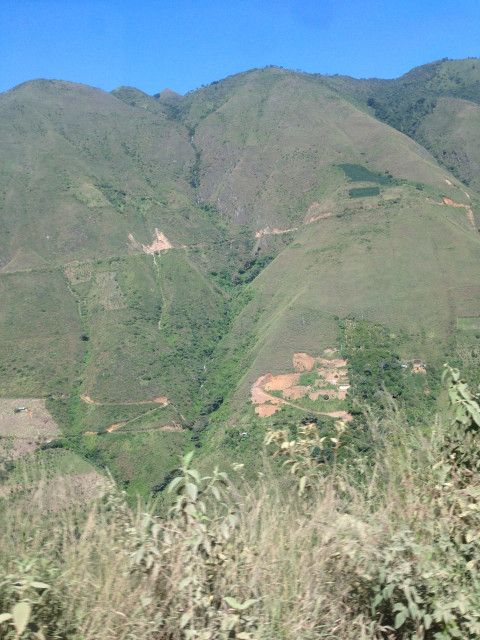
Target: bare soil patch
266, 410
281, 382
159, 244
35, 423
319, 217
115, 426
313, 215
295, 392
160, 400
303, 362
273, 232
331, 372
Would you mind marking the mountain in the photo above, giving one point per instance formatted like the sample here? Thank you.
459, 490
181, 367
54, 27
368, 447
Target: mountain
436, 104
161, 253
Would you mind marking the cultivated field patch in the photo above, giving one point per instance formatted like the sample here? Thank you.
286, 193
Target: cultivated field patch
364, 192
26, 418
359, 173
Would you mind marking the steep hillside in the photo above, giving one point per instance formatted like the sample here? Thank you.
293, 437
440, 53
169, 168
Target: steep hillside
451, 132
403, 260
436, 104
268, 149
162, 253
81, 170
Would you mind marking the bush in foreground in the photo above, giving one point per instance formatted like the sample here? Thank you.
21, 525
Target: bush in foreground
341, 547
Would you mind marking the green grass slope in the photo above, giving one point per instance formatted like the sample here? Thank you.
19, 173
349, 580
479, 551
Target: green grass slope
436, 104
266, 151
83, 169
401, 260
451, 132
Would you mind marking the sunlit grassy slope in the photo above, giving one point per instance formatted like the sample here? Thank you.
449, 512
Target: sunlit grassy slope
436, 104
268, 151
82, 169
268, 167
408, 263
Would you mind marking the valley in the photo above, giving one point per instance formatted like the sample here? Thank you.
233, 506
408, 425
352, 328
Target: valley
164, 258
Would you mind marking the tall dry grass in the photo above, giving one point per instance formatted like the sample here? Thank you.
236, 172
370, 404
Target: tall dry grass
385, 547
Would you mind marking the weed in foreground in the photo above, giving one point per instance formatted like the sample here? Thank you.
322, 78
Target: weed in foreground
342, 547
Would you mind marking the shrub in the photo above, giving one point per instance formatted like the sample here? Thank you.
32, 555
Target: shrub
385, 546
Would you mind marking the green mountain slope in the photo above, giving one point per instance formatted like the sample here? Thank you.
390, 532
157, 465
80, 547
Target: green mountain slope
161, 253
81, 170
407, 263
436, 104
270, 149
91, 188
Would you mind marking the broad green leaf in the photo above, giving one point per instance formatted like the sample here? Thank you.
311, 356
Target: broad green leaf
388, 590
400, 618
195, 475
21, 615
413, 608
191, 490
187, 458
39, 585
174, 483
376, 601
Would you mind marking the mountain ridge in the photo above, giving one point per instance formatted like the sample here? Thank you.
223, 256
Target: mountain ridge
183, 247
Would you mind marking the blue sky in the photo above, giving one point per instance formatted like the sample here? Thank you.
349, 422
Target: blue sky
154, 44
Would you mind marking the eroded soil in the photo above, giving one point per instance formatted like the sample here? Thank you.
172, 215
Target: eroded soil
329, 371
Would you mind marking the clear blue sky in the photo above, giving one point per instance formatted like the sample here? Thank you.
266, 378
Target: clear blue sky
154, 44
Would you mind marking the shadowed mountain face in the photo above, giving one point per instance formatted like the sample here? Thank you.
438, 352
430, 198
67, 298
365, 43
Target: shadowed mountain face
179, 247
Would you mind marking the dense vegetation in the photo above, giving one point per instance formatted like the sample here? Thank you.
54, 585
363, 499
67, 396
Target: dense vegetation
378, 373
383, 546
